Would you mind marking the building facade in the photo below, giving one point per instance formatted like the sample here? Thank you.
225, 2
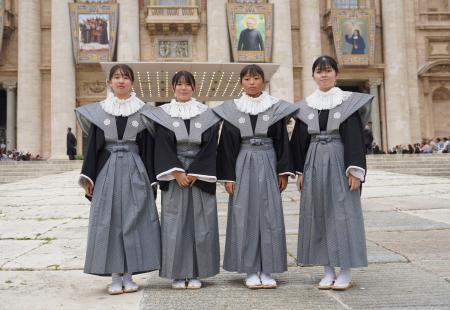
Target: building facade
41, 83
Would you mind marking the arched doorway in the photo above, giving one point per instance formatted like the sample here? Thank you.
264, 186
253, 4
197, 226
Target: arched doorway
441, 112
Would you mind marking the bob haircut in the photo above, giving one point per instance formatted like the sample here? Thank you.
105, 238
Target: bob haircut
123, 69
185, 76
324, 62
253, 70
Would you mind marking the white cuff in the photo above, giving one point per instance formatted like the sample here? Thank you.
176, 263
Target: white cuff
154, 183
83, 179
167, 176
287, 173
206, 178
298, 172
224, 181
356, 172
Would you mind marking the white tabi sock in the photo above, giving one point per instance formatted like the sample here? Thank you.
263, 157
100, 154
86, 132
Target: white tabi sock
252, 279
344, 277
266, 279
116, 283
329, 277
128, 282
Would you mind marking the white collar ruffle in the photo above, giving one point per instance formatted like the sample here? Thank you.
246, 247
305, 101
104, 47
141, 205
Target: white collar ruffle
254, 106
320, 100
122, 107
184, 110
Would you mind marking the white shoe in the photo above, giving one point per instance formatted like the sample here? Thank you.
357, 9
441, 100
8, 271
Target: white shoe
194, 284
267, 281
179, 284
253, 281
129, 285
326, 282
115, 288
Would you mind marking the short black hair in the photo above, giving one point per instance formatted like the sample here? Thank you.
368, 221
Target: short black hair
253, 70
324, 62
123, 69
183, 75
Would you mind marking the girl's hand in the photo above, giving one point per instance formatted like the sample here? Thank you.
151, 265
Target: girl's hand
229, 187
88, 189
192, 179
182, 178
353, 183
282, 182
300, 182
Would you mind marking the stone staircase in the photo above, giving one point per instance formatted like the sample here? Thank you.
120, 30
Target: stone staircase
417, 164
12, 171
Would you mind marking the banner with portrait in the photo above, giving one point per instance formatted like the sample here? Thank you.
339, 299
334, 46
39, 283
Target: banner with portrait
94, 30
354, 36
251, 28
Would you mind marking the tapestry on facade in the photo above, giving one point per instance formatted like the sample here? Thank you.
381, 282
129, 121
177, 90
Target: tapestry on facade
94, 31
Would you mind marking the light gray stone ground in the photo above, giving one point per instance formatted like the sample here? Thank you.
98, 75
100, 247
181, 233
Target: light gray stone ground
43, 227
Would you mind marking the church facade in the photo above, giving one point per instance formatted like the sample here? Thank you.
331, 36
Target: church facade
399, 51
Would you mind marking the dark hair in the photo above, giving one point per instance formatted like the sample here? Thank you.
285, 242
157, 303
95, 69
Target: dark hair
324, 62
357, 30
123, 69
253, 70
186, 75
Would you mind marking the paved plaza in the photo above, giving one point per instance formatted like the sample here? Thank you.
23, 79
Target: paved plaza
43, 228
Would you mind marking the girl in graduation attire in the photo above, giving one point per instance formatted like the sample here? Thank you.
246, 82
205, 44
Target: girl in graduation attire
117, 174
254, 162
186, 133
328, 151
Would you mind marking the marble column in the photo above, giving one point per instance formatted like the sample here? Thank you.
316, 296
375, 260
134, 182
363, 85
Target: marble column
282, 82
29, 109
375, 111
395, 72
128, 47
217, 35
10, 114
218, 42
63, 81
310, 43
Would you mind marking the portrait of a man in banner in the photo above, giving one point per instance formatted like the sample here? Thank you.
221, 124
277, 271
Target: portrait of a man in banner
355, 34
250, 29
94, 33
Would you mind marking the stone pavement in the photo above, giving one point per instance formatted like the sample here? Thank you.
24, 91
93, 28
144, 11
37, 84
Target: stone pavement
43, 227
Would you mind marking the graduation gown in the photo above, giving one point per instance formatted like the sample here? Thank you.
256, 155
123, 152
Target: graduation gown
252, 152
326, 145
189, 225
124, 231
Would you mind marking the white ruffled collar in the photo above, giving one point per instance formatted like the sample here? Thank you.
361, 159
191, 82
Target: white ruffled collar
254, 106
320, 100
122, 107
184, 110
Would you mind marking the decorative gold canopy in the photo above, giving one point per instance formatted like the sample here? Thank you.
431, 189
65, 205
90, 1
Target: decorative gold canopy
214, 81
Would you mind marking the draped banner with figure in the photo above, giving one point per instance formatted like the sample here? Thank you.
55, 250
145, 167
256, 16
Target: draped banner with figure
94, 30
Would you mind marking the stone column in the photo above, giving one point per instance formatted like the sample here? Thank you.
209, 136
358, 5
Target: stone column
282, 82
128, 48
29, 77
310, 43
395, 72
217, 32
63, 82
375, 111
10, 114
218, 42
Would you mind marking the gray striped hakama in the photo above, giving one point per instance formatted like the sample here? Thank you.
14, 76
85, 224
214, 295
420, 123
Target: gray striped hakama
124, 231
189, 228
331, 227
256, 238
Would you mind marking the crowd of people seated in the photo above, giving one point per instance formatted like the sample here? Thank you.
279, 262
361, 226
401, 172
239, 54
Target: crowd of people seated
16, 155
427, 146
